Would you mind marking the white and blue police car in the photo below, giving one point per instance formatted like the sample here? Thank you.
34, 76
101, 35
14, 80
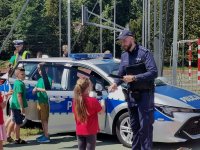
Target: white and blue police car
177, 111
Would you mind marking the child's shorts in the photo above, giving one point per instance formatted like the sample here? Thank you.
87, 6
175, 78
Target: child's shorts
43, 112
3, 136
17, 117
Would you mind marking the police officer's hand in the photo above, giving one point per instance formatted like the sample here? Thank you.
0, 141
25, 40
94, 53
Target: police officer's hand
129, 78
112, 88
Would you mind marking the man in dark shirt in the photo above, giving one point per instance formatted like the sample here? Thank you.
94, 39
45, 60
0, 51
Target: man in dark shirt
140, 89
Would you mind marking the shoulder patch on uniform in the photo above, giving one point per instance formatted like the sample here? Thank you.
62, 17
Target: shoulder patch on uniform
124, 54
144, 49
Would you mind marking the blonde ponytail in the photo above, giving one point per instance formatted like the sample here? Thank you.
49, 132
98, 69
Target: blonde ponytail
80, 105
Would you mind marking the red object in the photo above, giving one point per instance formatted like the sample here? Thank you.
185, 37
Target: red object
1, 110
90, 127
198, 61
190, 61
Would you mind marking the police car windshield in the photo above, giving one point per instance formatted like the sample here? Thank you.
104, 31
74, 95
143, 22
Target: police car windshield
109, 68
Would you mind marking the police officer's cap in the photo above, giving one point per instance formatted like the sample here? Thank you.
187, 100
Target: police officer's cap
124, 34
18, 42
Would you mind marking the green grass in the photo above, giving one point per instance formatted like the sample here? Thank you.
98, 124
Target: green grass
24, 133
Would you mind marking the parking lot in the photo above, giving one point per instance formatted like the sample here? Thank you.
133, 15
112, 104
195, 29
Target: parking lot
104, 142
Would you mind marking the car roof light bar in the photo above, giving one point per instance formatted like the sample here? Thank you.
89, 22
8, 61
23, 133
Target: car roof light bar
83, 56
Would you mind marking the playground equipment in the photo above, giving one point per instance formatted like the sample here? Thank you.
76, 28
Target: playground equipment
190, 44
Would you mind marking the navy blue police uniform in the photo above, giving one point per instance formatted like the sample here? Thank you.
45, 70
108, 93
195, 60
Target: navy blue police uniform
141, 104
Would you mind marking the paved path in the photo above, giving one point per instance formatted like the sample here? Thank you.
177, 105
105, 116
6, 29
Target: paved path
104, 142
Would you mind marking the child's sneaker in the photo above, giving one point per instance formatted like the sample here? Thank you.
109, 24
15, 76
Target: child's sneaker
10, 139
40, 137
20, 141
44, 139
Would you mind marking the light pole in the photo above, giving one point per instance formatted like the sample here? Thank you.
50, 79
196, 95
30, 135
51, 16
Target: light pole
175, 39
101, 45
143, 23
69, 26
183, 53
114, 40
160, 47
60, 34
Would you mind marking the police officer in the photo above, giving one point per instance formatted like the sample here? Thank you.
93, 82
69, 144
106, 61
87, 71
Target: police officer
140, 89
20, 52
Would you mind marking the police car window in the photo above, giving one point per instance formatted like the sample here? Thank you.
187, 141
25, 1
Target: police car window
111, 68
55, 72
29, 68
75, 75
36, 75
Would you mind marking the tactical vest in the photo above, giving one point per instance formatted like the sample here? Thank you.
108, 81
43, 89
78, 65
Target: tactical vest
24, 55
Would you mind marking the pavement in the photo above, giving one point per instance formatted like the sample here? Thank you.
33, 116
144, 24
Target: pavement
69, 142
104, 142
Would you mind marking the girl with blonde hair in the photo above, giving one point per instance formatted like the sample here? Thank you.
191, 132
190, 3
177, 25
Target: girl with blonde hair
86, 111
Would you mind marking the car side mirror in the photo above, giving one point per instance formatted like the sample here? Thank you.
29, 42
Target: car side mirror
98, 87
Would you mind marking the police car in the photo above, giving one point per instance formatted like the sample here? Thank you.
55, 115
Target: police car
177, 111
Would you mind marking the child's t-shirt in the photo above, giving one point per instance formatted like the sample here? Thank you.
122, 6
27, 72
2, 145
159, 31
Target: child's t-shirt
19, 88
42, 96
1, 110
90, 127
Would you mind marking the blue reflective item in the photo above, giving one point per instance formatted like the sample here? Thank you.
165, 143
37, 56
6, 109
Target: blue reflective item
83, 56
78, 56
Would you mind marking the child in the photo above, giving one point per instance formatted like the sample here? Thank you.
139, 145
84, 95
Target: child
43, 107
18, 103
86, 111
3, 136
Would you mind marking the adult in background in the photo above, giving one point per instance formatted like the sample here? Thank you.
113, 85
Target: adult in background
140, 95
39, 54
65, 51
20, 52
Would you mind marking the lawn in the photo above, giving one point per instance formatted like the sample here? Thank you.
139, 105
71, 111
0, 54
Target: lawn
29, 132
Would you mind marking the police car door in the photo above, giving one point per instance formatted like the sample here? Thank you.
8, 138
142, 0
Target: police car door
61, 117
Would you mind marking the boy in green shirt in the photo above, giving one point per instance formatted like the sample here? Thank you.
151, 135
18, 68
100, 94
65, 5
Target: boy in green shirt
43, 107
18, 103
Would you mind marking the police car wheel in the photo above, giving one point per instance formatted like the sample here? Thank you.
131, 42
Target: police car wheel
123, 130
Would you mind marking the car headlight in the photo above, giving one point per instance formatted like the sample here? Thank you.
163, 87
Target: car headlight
169, 110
